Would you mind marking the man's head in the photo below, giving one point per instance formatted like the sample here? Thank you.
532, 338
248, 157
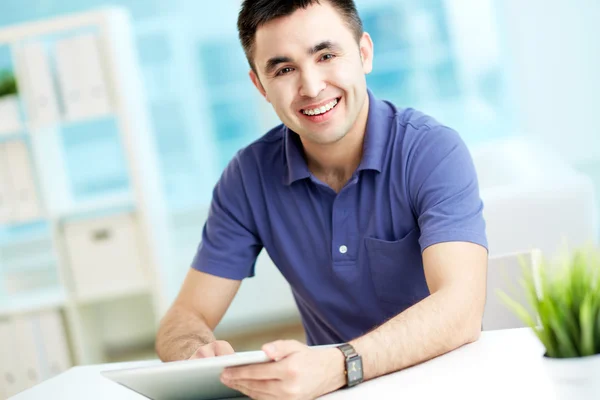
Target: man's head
307, 56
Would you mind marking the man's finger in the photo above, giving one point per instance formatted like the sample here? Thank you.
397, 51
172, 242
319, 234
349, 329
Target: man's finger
223, 348
254, 389
264, 371
203, 352
282, 348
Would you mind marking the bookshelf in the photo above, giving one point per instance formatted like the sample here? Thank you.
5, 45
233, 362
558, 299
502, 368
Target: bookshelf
92, 237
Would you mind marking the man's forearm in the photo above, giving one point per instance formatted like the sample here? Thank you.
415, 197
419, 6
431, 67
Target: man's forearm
180, 333
442, 322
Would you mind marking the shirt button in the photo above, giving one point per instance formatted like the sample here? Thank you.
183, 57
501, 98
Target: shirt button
343, 249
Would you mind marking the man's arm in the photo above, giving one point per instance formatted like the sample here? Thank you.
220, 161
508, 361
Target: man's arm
444, 192
447, 319
189, 323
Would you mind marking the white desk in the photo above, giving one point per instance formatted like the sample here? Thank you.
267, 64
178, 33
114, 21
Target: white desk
500, 365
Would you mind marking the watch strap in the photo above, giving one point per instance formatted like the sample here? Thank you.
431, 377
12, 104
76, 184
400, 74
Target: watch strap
348, 350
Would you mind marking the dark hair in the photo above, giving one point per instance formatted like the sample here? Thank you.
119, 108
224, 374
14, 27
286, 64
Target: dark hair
255, 13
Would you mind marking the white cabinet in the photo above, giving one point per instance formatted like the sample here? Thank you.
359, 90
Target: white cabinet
106, 257
78, 76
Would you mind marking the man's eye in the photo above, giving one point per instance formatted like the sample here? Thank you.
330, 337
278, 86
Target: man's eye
284, 71
327, 57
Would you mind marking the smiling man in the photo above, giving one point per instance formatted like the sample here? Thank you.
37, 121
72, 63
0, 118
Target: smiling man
371, 212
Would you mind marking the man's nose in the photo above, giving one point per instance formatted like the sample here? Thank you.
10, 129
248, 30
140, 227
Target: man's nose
312, 84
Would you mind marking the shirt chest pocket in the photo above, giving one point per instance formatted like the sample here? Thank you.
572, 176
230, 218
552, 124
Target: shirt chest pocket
397, 270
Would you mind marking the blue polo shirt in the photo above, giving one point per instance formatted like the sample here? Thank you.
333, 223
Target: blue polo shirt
353, 258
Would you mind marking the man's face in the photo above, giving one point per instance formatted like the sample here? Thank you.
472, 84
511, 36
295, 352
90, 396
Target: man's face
312, 71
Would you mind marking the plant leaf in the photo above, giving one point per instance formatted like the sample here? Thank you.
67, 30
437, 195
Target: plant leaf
8, 84
517, 308
586, 318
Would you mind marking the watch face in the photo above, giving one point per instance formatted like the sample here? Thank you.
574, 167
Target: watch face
355, 373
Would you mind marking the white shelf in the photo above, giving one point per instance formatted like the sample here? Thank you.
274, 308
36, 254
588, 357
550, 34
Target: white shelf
7, 137
118, 203
16, 233
92, 118
32, 301
19, 224
63, 122
144, 197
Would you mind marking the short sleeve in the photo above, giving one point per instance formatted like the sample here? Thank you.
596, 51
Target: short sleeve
230, 244
444, 189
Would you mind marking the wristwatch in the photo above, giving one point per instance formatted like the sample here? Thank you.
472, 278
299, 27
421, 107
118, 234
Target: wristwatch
354, 368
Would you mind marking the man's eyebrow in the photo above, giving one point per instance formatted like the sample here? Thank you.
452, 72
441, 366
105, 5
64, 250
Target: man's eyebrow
324, 45
273, 62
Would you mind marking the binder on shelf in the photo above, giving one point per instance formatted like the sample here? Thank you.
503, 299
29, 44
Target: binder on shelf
68, 77
11, 379
10, 115
81, 76
29, 365
25, 197
96, 95
54, 339
6, 191
40, 96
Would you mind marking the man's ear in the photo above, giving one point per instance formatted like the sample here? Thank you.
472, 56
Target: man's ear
257, 84
366, 52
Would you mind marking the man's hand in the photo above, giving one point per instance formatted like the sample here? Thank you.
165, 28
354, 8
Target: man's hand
213, 349
298, 372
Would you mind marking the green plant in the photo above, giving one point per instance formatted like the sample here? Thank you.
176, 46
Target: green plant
565, 300
8, 84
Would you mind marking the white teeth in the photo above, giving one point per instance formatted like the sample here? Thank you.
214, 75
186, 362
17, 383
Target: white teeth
323, 109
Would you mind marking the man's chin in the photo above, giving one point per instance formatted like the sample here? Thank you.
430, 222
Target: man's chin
326, 138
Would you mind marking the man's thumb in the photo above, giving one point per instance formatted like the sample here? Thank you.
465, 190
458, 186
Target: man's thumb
282, 348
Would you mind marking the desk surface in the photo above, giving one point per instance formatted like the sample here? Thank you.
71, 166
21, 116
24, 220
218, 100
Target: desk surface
503, 364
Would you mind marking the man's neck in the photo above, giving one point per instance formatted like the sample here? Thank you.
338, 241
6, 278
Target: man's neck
335, 163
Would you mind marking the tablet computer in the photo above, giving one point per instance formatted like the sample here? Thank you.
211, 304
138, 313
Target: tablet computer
197, 379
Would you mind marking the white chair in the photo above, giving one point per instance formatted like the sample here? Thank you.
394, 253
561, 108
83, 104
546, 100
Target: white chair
505, 273
533, 198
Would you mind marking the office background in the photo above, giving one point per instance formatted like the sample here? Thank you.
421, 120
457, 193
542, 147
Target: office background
493, 70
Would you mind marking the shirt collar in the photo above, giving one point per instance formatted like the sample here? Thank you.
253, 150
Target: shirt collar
376, 135
379, 124
294, 155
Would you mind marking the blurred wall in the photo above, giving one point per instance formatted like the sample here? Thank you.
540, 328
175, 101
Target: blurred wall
552, 64
204, 107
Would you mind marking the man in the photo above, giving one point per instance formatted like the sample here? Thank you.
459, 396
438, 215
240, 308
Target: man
372, 213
